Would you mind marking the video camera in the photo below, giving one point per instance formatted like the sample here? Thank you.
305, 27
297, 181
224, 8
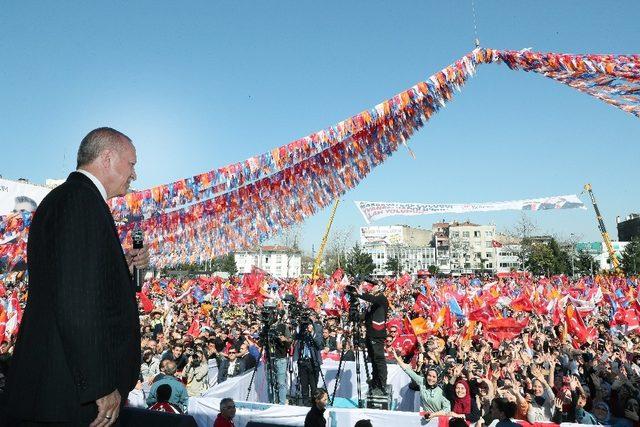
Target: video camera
269, 317
351, 292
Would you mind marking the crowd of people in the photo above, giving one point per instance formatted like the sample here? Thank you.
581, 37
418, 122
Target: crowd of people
547, 349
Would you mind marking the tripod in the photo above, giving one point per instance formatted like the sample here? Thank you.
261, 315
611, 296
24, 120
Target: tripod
272, 378
356, 340
305, 339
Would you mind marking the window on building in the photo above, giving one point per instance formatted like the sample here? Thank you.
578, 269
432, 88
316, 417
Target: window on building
465, 234
476, 234
488, 244
488, 255
455, 234
488, 265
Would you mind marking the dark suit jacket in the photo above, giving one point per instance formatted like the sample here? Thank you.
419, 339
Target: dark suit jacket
224, 368
80, 333
314, 340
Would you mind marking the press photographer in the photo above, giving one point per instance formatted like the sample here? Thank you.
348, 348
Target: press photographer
306, 352
281, 342
375, 320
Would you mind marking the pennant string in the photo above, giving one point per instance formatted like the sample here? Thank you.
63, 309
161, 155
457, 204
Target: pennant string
241, 204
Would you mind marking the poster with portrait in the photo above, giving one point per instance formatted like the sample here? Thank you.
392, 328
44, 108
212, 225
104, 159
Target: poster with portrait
16, 196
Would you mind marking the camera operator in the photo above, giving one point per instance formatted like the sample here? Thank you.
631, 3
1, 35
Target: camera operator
307, 353
279, 353
196, 373
376, 326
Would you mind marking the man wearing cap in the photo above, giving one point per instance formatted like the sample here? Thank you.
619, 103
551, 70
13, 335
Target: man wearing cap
376, 324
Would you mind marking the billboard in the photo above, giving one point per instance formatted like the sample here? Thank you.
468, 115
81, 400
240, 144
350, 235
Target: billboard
20, 196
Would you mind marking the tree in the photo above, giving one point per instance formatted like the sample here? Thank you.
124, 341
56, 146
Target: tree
547, 259
562, 259
585, 264
334, 262
522, 232
631, 257
359, 263
226, 263
540, 260
336, 249
393, 265
433, 270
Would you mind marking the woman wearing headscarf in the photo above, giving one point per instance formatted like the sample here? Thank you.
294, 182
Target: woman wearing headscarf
463, 404
541, 408
602, 413
432, 398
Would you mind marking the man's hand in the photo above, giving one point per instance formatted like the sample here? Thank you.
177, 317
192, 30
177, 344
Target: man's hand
138, 258
108, 410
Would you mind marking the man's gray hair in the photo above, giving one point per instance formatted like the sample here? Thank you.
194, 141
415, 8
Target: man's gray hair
170, 367
224, 402
96, 142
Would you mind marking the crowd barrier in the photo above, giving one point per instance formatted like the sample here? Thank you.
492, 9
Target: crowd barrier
403, 398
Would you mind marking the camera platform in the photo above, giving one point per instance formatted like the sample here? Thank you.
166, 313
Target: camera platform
379, 401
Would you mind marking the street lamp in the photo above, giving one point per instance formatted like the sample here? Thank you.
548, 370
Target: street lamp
573, 246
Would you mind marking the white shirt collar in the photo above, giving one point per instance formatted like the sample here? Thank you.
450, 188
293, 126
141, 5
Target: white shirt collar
96, 182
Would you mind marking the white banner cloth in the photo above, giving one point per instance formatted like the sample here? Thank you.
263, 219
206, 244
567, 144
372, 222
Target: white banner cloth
237, 387
373, 211
205, 410
403, 398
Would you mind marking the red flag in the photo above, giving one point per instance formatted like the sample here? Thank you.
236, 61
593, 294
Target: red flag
576, 327
251, 286
421, 304
332, 312
3, 323
406, 326
498, 330
337, 275
626, 317
404, 344
310, 295
404, 280
482, 314
146, 303
395, 323
194, 329
522, 303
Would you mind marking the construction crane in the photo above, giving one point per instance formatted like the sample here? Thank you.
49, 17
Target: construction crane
603, 230
316, 263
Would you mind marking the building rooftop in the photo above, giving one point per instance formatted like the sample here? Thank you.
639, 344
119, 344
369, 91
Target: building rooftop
463, 224
277, 248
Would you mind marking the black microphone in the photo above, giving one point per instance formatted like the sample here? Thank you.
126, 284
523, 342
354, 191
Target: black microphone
138, 243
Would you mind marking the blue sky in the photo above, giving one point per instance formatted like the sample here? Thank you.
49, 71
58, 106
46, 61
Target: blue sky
198, 85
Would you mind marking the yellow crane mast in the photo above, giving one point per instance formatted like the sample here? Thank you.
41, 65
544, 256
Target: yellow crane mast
605, 236
316, 264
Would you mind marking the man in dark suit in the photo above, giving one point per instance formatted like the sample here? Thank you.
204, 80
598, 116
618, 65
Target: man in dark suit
231, 367
77, 354
306, 352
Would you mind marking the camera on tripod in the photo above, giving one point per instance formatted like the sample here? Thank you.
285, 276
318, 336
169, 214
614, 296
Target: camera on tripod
351, 292
299, 314
269, 317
